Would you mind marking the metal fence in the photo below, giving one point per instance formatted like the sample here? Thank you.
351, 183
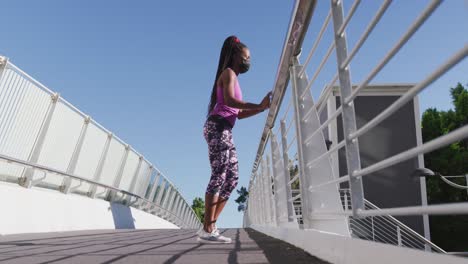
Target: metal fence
47, 142
294, 181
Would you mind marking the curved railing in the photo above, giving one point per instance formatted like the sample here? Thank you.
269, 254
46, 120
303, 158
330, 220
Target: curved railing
313, 149
384, 228
47, 142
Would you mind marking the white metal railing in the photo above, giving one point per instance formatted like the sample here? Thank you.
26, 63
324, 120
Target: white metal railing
47, 142
271, 198
384, 228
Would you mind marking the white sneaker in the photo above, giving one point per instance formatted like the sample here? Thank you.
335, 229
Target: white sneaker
213, 237
216, 230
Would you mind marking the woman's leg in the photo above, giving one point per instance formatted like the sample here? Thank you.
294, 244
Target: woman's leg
218, 147
232, 177
219, 208
210, 210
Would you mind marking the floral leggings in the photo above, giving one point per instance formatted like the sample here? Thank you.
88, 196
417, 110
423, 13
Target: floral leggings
223, 158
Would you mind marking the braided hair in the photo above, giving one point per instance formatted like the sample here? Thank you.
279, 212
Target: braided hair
232, 47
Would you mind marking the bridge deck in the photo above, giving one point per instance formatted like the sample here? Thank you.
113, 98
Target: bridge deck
147, 246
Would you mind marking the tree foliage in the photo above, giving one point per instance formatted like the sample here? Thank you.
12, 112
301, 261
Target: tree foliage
242, 199
198, 206
446, 231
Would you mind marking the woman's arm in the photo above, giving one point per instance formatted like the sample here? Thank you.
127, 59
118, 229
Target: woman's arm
248, 113
228, 79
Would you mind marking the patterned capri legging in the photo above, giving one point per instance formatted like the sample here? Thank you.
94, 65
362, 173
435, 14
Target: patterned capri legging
223, 159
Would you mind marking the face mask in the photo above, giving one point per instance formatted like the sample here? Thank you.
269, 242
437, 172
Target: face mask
244, 66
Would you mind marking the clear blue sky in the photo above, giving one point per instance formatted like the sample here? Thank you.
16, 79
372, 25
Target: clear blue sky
144, 69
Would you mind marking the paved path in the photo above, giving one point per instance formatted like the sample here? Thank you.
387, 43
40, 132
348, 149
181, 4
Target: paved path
147, 246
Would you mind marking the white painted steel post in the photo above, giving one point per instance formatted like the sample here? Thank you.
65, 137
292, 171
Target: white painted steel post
253, 203
170, 203
152, 192
310, 146
177, 207
265, 204
280, 186
182, 214
26, 179
259, 198
181, 211
170, 200
162, 188
353, 161
190, 220
165, 198
118, 177
3, 64
399, 236
270, 195
287, 178
131, 189
185, 215
373, 230
146, 184
97, 174
65, 188
466, 177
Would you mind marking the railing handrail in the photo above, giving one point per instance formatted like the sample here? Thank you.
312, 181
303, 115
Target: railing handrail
65, 174
8, 63
300, 19
9, 70
397, 222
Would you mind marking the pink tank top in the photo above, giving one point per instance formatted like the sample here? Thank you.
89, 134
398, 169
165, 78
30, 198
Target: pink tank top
229, 113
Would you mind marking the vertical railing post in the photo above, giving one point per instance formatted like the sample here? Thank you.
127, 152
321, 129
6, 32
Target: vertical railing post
131, 188
145, 186
399, 236
26, 179
152, 192
177, 208
270, 196
287, 178
182, 214
166, 191
280, 184
349, 118
185, 214
66, 183
373, 228
259, 200
466, 177
119, 175
97, 174
162, 187
3, 64
181, 211
190, 219
311, 146
265, 201
170, 201
253, 203
346, 205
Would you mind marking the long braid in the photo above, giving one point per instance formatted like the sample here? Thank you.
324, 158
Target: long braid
231, 47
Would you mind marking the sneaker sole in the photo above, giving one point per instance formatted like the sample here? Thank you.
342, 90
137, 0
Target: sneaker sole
212, 242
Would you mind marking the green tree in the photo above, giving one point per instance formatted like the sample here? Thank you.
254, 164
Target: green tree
447, 231
242, 199
198, 206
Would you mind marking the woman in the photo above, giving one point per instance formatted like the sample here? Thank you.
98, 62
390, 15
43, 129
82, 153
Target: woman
225, 107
